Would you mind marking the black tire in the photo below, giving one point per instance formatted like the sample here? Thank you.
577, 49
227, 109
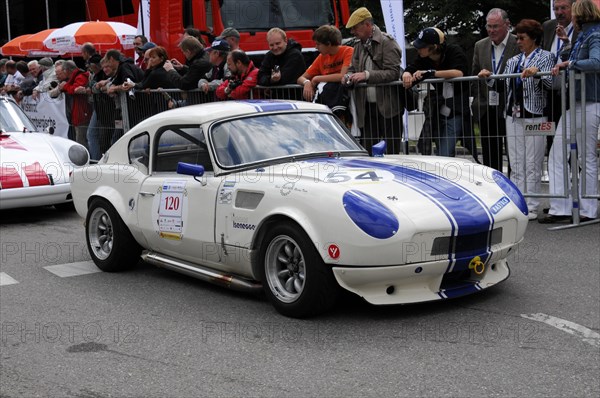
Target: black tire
294, 276
109, 241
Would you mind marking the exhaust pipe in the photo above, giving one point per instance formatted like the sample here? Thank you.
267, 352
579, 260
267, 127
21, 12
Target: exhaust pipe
202, 273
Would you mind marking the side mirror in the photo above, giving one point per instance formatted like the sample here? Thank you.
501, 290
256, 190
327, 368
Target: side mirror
194, 170
379, 149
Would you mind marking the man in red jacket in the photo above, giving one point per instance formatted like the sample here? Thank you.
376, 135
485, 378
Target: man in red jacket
244, 77
71, 77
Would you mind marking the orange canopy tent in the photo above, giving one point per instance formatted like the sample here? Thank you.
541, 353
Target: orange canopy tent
13, 47
34, 44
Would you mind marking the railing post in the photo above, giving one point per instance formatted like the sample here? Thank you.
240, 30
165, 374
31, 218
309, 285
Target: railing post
573, 147
124, 111
583, 135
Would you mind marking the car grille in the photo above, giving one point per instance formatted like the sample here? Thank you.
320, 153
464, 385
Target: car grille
465, 243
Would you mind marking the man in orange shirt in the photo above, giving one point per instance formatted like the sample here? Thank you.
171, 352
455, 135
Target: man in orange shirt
329, 67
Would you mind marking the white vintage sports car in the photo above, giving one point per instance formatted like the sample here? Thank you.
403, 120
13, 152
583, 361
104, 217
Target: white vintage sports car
35, 166
278, 196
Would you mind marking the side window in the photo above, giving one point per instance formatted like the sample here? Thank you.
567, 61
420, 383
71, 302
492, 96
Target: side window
139, 152
181, 144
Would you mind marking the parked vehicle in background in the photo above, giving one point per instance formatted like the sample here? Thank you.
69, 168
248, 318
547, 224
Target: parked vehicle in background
168, 18
35, 167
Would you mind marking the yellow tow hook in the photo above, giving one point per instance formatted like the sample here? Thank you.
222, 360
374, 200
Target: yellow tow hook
477, 265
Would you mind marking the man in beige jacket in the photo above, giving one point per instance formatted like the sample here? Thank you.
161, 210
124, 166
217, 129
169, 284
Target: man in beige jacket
376, 59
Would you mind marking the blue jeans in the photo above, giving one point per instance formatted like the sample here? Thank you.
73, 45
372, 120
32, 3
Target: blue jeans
450, 128
93, 138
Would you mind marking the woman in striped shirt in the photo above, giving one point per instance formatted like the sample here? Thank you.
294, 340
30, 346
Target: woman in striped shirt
526, 101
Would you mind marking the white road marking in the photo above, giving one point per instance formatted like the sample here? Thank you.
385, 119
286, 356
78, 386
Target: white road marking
6, 279
586, 335
73, 269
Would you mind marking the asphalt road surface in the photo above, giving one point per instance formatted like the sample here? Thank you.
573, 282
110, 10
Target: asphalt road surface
68, 330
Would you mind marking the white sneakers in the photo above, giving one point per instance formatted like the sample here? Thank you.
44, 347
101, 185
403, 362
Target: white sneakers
533, 215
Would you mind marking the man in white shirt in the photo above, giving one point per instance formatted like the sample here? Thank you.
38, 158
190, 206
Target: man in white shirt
14, 78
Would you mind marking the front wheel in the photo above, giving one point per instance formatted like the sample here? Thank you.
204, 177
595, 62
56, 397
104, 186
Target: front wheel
295, 278
109, 241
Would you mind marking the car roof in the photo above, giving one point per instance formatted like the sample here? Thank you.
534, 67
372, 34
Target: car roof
204, 113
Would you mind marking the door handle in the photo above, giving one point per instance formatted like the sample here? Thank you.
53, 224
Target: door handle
147, 194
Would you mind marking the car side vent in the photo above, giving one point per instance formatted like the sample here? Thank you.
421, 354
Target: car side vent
248, 200
465, 243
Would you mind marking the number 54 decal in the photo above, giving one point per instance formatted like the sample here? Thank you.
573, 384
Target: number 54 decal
358, 176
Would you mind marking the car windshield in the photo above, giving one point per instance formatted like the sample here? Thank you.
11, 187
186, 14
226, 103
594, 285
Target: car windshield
12, 118
260, 138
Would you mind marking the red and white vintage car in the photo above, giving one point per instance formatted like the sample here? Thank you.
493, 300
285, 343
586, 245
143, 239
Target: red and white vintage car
35, 167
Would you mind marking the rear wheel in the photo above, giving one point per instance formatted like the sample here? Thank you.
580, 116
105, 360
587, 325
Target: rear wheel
295, 278
109, 241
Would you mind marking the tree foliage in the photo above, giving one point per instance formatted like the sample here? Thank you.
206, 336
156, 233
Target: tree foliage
463, 17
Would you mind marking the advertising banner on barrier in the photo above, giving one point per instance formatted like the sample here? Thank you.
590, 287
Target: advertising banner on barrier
47, 112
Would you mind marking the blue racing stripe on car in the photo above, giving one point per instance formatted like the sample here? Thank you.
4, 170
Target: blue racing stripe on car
467, 214
270, 106
459, 291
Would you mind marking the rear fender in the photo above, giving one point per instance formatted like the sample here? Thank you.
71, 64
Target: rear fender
122, 206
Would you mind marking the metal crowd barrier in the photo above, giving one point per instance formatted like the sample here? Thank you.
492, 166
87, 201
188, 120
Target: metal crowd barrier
423, 129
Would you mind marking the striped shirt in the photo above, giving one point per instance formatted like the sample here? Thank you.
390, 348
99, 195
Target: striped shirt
534, 96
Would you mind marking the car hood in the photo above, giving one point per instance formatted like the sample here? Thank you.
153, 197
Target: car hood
409, 189
28, 159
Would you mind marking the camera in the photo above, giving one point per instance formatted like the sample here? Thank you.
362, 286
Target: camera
233, 84
131, 92
347, 81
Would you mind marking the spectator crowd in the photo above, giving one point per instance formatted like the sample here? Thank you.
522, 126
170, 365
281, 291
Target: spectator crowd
501, 109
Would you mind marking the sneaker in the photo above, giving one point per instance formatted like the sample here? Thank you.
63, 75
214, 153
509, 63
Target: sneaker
532, 215
551, 219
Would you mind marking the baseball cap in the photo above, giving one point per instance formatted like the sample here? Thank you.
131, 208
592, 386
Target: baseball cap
219, 45
428, 36
230, 32
146, 46
359, 15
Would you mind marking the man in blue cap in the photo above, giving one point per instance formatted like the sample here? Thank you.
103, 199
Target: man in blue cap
217, 56
447, 107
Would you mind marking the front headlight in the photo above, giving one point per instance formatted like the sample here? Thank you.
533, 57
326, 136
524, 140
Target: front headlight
78, 155
370, 215
511, 190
